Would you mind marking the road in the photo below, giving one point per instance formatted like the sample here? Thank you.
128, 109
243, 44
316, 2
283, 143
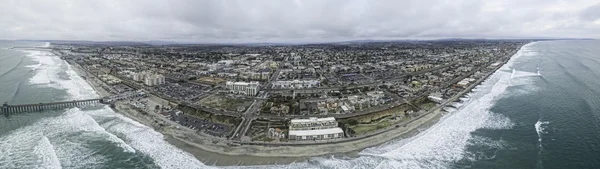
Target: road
249, 115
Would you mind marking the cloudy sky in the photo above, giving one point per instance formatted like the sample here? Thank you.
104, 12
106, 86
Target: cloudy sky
296, 20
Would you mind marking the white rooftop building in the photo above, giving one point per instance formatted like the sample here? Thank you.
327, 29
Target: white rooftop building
314, 129
245, 88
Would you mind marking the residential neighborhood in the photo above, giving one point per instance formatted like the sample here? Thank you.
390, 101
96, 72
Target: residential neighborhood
260, 93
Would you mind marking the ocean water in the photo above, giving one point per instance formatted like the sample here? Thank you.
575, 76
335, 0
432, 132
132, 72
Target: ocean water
540, 110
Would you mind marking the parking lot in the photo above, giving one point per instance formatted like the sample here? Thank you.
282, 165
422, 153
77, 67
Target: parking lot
184, 91
202, 125
195, 123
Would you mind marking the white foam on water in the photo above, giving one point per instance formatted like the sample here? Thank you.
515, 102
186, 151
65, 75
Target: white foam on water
48, 158
43, 69
16, 148
540, 126
487, 142
53, 141
520, 74
146, 140
445, 142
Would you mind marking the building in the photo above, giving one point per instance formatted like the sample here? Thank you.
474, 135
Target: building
314, 129
109, 79
139, 77
296, 84
245, 88
153, 80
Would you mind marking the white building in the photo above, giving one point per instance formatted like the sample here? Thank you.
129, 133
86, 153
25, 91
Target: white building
138, 77
296, 84
314, 129
153, 80
245, 88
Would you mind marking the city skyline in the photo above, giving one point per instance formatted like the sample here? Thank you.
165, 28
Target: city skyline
296, 21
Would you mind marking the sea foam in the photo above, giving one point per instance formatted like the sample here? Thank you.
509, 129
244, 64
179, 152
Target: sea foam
540, 126
45, 151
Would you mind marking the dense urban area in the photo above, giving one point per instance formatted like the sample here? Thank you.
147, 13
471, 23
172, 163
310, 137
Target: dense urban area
291, 94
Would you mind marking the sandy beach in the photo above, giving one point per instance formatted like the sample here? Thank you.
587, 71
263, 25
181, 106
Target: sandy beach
217, 151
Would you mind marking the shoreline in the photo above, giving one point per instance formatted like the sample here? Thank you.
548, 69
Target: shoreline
217, 151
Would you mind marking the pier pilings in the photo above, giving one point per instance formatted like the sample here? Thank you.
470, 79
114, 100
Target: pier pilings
12, 109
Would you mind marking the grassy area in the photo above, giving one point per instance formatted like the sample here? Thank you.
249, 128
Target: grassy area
210, 80
360, 129
427, 106
262, 138
209, 116
225, 103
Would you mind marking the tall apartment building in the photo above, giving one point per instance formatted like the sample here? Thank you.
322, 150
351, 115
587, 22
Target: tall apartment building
139, 77
149, 79
245, 88
153, 80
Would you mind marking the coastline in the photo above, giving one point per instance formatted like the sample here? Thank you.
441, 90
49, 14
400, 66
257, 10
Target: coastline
218, 151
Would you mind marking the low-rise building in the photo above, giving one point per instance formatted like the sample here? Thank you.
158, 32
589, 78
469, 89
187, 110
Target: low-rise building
296, 84
109, 79
245, 88
314, 129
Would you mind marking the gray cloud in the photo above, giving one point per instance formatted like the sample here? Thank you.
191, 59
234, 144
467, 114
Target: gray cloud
591, 13
295, 20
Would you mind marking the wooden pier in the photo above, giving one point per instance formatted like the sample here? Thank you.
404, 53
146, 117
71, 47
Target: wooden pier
12, 109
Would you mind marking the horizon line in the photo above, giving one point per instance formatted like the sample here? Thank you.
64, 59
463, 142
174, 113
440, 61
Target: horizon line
185, 42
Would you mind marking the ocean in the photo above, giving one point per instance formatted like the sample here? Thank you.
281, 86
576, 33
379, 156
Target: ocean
540, 110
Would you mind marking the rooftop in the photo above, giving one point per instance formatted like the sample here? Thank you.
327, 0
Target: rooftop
315, 132
313, 119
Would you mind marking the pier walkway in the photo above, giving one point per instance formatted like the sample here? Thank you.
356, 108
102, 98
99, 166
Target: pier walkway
12, 109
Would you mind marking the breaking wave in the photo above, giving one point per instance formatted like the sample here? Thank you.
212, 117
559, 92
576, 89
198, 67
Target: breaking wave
48, 158
540, 126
